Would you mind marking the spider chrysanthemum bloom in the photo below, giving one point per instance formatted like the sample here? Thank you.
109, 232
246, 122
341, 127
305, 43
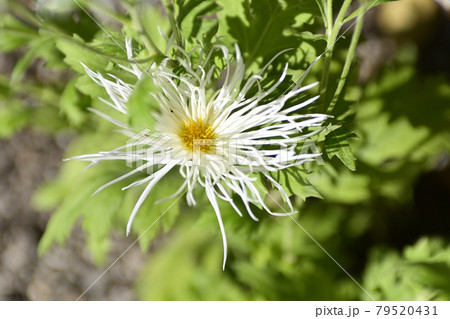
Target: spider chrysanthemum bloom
218, 140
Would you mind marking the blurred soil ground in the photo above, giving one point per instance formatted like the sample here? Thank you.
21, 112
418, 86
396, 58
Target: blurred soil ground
28, 159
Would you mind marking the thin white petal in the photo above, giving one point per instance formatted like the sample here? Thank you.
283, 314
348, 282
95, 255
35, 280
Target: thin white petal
160, 174
213, 201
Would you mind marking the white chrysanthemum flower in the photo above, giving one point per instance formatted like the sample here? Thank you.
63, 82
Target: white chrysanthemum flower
218, 141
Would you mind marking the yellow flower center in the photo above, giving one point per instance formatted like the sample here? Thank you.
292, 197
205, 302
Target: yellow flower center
197, 135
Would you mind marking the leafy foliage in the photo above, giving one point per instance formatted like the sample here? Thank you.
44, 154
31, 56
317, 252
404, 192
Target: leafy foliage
107, 210
420, 273
196, 19
295, 182
142, 105
270, 260
338, 144
380, 138
260, 28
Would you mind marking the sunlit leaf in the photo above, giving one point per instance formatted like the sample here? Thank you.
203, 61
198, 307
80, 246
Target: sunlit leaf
337, 144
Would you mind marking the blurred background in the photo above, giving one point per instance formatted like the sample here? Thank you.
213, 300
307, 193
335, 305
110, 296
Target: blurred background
387, 223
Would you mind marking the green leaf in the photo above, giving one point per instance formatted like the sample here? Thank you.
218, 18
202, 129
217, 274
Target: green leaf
187, 266
87, 86
14, 33
337, 144
98, 218
74, 199
71, 194
269, 26
154, 218
344, 187
60, 225
420, 273
67, 16
110, 44
77, 51
35, 47
12, 117
70, 104
146, 21
142, 104
196, 17
295, 182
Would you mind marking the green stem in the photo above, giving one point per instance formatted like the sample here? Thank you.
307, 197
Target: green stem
25, 14
340, 18
173, 23
55, 33
324, 80
261, 38
348, 62
332, 36
148, 42
328, 55
329, 16
99, 7
322, 4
